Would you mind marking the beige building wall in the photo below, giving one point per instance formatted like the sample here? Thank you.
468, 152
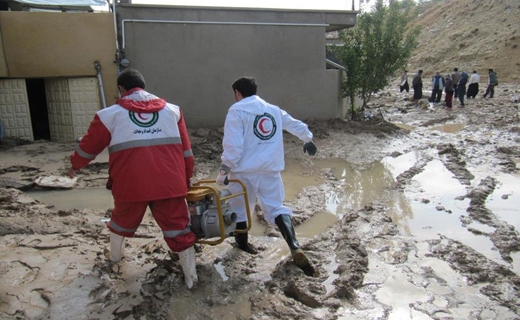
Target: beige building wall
14, 109
72, 104
58, 44
61, 48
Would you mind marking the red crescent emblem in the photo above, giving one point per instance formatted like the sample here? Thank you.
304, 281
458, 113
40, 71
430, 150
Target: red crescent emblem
261, 126
143, 118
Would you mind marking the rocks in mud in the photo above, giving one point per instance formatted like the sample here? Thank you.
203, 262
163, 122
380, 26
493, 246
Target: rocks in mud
16, 184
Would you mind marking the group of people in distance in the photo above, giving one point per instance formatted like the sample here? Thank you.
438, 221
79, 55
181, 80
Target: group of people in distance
458, 84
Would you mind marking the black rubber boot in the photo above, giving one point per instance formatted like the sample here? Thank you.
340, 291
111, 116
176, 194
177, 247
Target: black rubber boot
286, 228
241, 239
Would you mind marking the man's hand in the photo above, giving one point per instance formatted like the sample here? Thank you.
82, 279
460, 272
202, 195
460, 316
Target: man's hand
310, 148
72, 172
222, 177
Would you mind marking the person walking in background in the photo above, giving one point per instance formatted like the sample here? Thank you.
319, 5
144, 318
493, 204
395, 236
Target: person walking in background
473, 85
492, 83
455, 76
449, 92
462, 87
150, 165
404, 86
417, 86
437, 87
254, 153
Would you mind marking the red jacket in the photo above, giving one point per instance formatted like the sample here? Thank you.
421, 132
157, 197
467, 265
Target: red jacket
150, 156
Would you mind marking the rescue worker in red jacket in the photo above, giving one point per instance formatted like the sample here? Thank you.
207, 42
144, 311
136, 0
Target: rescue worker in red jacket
150, 165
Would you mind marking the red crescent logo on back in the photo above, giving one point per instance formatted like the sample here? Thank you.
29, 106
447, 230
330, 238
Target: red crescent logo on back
140, 116
261, 126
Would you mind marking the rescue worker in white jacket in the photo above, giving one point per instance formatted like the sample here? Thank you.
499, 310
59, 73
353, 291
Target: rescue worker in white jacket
254, 153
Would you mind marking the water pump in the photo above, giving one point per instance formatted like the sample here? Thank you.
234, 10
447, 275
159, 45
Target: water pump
211, 217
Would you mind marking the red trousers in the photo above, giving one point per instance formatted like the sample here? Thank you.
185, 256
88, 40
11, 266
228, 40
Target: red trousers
171, 215
449, 99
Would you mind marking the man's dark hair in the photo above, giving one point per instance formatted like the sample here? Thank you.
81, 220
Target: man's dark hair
420, 71
130, 78
245, 85
455, 69
490, 70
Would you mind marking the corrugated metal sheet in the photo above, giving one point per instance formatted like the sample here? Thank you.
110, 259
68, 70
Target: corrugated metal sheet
62, 5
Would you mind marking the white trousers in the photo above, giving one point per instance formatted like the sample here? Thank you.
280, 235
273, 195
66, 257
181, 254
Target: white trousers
267, 188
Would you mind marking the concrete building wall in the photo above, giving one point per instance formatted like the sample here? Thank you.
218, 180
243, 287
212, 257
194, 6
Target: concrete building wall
191, 56
58, 44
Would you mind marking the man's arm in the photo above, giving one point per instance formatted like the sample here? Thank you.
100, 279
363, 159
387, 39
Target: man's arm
93, 143
296, 127
189, 159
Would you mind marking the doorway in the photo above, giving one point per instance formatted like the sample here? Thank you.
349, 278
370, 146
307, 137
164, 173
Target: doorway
38, 108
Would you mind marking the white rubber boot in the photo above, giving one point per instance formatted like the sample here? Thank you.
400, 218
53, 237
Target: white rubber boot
117, 244
187, 261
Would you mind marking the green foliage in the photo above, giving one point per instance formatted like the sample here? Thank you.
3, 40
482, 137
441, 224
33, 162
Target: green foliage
376, 48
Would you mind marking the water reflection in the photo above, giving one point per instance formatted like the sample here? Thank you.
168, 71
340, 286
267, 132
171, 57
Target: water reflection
94, 198
220, 269
426, 209
505, 199
450, 128
363, 184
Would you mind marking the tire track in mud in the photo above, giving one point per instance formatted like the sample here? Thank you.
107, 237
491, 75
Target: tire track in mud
505, 237
502, 284
453, 160
498, 282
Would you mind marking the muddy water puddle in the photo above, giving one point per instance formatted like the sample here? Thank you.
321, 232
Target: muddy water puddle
95, 198
427, 209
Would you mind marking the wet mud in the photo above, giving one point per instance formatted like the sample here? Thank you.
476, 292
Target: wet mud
425, 227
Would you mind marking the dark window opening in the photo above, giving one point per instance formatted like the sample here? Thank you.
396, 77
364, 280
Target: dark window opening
38, 108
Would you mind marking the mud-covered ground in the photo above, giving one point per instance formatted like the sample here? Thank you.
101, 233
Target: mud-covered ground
54, 262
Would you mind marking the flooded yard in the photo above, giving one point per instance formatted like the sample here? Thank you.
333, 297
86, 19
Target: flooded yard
414, 218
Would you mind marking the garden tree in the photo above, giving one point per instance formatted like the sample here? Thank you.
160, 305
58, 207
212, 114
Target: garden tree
376, 48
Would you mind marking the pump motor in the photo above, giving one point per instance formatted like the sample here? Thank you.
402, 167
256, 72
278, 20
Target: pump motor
210, 214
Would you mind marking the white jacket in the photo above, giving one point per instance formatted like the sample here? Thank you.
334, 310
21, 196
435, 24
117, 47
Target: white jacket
475, 78
253, 136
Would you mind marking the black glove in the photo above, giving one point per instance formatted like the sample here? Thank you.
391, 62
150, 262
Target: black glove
310, 148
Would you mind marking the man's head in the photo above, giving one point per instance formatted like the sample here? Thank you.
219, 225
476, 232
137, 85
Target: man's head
420, 71
455, 69
130, 79
474, 71
490, 70
437, 73
245, 86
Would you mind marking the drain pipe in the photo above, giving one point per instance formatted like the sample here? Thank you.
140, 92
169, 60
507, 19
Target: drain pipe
97, 65
115, 30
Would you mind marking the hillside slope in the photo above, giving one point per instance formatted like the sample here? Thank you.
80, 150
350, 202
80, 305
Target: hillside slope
470, 35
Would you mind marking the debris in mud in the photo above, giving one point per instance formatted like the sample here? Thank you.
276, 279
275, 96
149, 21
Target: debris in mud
56, 182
